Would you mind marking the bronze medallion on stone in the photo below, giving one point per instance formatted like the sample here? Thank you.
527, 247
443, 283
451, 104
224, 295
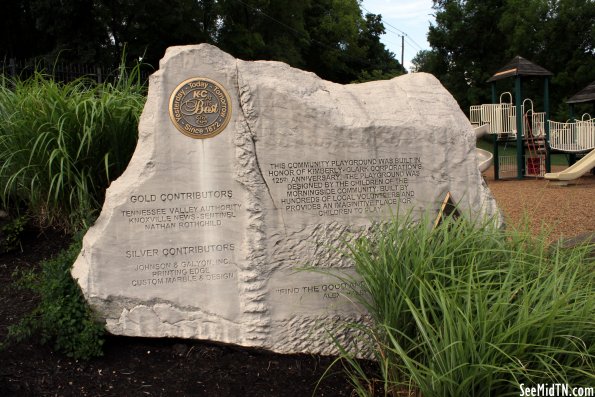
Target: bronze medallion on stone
200, 107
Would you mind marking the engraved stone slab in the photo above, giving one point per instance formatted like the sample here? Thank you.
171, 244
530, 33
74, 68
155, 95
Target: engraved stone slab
205, 238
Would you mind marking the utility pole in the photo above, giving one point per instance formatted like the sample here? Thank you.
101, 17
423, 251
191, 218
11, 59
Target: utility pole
402, 50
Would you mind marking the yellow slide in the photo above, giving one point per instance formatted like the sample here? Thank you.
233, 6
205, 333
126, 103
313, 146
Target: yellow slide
575, 171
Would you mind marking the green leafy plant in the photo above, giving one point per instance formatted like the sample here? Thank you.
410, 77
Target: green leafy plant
62, 144
472, 310
11, 234
62, 316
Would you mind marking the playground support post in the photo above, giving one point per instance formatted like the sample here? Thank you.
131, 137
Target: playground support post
571, 157
496, 157
519, 128
546, 109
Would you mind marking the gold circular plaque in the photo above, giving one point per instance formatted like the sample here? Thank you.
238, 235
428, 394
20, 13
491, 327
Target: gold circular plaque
200, 107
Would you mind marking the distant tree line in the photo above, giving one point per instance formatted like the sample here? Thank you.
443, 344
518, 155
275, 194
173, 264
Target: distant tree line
472, 39
332, 38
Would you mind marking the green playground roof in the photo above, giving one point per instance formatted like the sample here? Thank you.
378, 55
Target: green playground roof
519, 66
587, 94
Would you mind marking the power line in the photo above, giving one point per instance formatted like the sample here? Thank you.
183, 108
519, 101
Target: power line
398, 31
279, 22
303, 34
403, 34
409, 41
386, 23
399, 43
418, 47
413, 41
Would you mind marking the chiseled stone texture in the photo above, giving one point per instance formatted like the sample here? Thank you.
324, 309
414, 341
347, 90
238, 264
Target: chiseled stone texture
303, 165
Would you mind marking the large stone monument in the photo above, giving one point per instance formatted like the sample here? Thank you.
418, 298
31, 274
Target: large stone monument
245, 173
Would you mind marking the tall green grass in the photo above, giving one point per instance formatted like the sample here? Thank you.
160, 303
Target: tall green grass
62, 144
463, 310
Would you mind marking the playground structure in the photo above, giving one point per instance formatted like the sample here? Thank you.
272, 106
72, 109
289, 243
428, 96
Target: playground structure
573, 137
501, 118
534, 136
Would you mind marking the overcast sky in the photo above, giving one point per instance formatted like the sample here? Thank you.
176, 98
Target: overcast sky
412, 17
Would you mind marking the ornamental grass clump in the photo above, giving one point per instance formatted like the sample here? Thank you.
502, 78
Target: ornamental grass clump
475, 311
62, 144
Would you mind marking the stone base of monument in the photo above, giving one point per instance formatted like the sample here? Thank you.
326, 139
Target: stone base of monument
245, 173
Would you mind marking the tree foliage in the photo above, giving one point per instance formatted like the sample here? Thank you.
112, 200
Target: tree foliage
472, 39
329, 37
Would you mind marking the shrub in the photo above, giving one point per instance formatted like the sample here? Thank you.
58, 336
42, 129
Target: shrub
62, 316
61, 144
11, 234
467, 310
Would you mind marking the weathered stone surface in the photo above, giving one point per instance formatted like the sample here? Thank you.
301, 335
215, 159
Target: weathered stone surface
203, 238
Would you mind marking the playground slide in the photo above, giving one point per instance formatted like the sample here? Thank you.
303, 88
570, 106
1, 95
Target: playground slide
575, 171
484, 158
481, 130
